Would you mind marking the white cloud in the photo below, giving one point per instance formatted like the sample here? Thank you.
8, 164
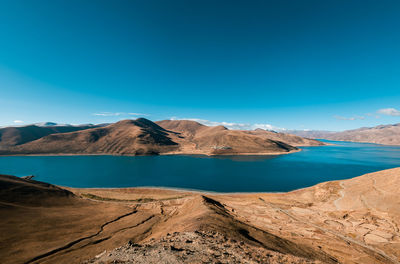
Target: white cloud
266, 127
349, 118
389, 111
18, 121
231, 125
118, 114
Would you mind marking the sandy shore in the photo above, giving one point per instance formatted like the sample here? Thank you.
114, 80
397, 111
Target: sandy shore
177, 153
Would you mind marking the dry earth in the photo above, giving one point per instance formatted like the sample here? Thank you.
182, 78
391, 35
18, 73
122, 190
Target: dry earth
349, 221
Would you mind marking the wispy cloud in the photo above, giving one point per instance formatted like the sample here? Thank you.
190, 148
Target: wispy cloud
231, 125
373, 115
119, 114
349, 118
389, 111
18, 121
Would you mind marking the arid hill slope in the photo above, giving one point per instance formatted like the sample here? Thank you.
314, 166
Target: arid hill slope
11, 136
196, 130
38, 218
144, 137
223, 141
77, 227
349, 221
383, 134
136, 137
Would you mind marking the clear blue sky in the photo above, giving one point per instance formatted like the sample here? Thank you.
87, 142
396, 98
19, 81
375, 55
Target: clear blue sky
292, 64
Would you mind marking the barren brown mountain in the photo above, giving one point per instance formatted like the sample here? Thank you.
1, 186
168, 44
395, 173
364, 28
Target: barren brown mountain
220, 140
348, 221
11, 136
383, 134
195, 130
144, 137
137, 137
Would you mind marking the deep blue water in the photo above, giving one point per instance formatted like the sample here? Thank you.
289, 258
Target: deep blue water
222, 173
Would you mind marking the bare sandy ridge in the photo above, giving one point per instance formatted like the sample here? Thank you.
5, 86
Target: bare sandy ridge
350, 221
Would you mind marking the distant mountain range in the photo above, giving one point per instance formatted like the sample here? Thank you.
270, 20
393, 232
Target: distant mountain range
12, 136
382, 134
144, 137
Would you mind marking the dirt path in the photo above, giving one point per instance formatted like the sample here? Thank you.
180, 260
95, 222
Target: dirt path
341, 193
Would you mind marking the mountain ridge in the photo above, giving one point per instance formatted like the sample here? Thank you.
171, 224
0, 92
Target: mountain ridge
144, 137
17, 135
381, 134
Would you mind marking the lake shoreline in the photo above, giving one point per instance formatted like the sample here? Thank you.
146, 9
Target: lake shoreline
202, 173
173, 189
155, 155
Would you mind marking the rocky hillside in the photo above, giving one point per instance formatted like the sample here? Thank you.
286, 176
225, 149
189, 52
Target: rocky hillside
196, 247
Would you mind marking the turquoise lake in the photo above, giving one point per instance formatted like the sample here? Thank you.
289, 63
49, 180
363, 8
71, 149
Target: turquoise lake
222, 173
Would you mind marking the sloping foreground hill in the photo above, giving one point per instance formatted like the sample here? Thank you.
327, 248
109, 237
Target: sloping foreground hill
144, 137
349, 221
71, 229
11, 136
383, 134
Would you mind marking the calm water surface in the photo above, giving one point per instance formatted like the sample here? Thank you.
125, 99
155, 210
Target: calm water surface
222, 174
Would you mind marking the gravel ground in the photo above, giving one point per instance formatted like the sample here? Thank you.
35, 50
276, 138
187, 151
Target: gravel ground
194, 247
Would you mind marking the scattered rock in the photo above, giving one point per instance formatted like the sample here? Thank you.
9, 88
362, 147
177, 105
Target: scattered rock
207, 249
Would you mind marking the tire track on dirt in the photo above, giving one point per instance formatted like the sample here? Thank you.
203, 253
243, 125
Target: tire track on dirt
72, 243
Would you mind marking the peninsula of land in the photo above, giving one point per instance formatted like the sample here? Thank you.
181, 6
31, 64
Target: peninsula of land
144, 137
